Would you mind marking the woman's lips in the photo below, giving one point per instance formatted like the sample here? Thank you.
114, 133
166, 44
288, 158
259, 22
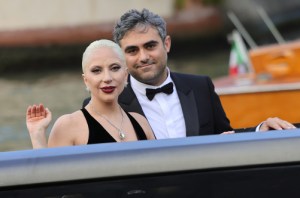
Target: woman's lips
109, 89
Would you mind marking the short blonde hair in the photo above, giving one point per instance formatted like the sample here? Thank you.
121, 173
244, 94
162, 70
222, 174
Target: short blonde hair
99, 44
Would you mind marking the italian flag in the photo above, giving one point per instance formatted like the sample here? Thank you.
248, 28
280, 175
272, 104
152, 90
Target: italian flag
238, 61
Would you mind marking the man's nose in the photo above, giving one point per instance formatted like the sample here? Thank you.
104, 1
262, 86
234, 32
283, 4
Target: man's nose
144, 56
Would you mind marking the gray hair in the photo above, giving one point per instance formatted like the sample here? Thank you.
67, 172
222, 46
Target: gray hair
97, 45
134, 18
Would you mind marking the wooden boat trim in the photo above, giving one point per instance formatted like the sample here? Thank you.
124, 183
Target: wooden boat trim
258, 88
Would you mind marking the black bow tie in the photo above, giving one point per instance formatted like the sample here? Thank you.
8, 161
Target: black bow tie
168, 89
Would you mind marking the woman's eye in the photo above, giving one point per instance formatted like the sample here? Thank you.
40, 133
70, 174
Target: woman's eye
96, 70
115, 68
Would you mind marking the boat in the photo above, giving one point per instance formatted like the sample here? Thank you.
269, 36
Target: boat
193, 21
238, 165
270, 86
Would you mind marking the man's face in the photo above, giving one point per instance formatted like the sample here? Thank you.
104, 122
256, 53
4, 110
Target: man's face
146, 55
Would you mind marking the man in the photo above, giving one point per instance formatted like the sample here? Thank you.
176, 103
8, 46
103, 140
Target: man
190, 107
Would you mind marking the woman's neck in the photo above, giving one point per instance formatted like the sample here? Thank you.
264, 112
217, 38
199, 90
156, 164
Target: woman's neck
104, 108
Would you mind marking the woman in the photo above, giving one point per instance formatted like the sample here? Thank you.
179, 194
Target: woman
102, 120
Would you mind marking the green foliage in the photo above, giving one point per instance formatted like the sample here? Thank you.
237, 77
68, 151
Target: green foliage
179, 4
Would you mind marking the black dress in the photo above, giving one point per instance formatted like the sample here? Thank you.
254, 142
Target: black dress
97, 134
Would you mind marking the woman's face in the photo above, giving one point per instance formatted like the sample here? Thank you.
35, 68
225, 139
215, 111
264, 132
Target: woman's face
105, 74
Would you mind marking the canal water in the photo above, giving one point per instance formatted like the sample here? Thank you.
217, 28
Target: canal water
61, 92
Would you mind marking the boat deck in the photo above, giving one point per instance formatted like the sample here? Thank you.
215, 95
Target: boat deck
248, 103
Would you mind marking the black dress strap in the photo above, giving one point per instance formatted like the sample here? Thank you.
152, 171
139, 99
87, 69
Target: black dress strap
137, 128
97, 134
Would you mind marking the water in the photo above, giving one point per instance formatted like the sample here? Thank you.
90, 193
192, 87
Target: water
63, 92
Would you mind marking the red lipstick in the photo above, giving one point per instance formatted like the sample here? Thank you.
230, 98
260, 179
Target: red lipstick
108, 89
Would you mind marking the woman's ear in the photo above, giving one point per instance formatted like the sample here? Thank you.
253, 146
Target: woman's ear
83, 77
126, 77
85, 82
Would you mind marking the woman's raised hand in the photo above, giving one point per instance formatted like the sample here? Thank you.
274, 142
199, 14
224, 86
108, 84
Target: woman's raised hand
38, 119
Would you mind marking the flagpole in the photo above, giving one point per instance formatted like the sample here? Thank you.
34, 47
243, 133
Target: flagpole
242, 30
270, 25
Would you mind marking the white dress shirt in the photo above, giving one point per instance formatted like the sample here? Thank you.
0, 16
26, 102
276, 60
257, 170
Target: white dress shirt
164, 112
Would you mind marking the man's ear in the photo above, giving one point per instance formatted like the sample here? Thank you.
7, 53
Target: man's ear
167, 43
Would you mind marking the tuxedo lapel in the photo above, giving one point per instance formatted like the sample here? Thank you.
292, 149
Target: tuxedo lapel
129, 101
188, 105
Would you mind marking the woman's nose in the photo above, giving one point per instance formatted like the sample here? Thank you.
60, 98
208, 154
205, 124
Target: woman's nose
107, 77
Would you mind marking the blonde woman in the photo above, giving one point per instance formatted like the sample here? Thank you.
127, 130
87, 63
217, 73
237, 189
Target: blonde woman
102, 120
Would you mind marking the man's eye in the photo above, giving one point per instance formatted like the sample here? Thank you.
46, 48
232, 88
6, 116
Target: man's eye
131, 51
151, 46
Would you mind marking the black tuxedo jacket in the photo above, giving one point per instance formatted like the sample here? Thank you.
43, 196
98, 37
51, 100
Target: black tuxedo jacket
201, 106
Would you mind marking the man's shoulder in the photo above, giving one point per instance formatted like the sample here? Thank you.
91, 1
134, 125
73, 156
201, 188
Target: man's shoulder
189, 77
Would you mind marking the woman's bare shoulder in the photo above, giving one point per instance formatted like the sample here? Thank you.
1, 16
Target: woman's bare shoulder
67, 129
74, 118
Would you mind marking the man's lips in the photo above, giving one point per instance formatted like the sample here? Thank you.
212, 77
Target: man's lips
145, 65
108, 89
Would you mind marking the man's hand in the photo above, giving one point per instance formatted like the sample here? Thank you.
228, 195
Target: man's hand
227, 132
275, 124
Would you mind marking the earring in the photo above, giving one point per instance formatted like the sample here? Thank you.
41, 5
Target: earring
87, 89
125, 84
